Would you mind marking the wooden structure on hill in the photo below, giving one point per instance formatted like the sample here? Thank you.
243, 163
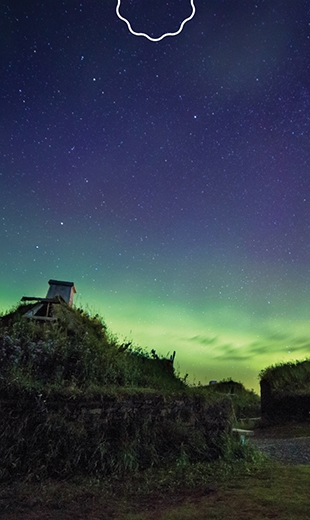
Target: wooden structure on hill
58, 292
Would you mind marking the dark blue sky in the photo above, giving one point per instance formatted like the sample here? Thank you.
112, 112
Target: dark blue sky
169, 180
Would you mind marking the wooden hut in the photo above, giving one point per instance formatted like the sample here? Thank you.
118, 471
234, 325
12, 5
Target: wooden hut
58, 292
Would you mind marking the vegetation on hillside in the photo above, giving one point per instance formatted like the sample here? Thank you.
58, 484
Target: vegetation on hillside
289, 378
246, 403
76, 351
50, 372
75, 400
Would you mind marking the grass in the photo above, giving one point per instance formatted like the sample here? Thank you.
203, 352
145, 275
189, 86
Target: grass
78, 352
75, 400
292, 377
285, 392
241, 484
251, 490
246, 402
76, 358
283, 495
57, 436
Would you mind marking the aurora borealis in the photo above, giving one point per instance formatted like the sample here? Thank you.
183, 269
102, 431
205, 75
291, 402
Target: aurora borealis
169, 180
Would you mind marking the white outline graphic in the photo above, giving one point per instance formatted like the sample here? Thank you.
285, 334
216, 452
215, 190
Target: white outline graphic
146, 35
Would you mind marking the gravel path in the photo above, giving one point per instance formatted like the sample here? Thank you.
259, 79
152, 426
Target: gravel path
293, 451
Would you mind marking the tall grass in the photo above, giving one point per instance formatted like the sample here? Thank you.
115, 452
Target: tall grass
76, 400
49, 434
76, 350
291, 377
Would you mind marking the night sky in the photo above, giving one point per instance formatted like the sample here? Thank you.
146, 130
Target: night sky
169, 180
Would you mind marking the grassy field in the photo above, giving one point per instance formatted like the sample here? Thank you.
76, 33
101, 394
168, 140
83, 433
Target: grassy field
251, 487
255, 491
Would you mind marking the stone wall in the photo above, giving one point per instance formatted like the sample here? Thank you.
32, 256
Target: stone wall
280, 406
58, 435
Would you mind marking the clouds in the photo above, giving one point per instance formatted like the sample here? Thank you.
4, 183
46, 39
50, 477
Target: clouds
273, 346
204, 341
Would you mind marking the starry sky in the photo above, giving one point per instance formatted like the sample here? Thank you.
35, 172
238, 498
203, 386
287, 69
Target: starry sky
169, 180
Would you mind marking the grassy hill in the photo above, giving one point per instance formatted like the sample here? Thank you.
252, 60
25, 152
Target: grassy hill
81, 413
291, 377
285, 392
76, 351
73, 399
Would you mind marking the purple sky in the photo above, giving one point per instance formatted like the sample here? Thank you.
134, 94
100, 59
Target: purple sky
170, 181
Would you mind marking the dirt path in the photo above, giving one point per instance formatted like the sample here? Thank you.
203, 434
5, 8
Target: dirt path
292, 451
289, 443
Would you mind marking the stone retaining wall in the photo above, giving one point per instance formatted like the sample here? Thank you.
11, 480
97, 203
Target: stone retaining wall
61, 435
279, 406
